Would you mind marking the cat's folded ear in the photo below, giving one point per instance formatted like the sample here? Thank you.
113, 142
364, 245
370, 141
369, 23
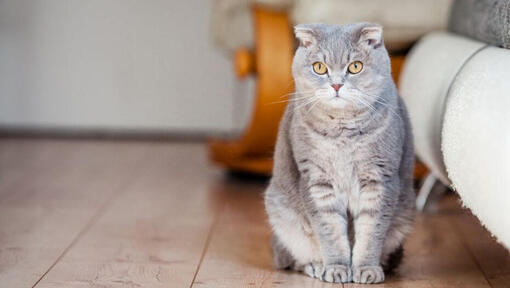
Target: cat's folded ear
370, 35
306, 34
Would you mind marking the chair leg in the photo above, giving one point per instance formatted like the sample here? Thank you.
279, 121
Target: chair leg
425, 190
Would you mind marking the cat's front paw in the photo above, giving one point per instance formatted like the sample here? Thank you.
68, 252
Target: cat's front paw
336, 273
313, 269
367, 274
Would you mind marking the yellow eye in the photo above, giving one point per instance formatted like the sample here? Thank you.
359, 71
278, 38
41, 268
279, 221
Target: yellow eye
320, 68
355, 67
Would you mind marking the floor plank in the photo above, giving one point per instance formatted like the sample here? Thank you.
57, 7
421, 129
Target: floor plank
435, 257
154, 236
493, 259
42, 212
142, 214
239, 254
19, 158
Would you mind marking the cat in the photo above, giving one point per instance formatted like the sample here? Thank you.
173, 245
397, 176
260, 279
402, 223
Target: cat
343, 160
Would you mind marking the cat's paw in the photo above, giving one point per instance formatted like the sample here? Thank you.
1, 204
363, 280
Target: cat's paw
367, 274
336, 273
313, 270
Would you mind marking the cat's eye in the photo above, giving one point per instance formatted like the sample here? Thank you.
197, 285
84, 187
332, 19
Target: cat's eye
355, 67
320, 68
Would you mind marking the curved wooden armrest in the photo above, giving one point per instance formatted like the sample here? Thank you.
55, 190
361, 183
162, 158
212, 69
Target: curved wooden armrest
271, 62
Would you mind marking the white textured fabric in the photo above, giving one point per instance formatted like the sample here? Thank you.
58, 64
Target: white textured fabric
476, 138
426, 76
468, 83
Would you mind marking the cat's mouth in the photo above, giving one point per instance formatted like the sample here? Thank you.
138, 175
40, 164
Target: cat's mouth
337, 102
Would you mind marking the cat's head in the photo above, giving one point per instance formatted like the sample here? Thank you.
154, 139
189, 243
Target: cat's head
340, 66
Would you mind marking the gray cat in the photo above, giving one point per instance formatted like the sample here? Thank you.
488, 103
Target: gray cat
343, 160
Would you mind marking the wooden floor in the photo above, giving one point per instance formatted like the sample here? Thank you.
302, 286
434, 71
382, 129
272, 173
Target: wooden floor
139, 214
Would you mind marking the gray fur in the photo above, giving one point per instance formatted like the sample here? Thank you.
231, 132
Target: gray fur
341, 160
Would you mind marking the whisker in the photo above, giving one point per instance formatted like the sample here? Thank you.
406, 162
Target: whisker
306, 103
311, 107
315, 99
376, 99
297, 93
294, 98
301, 105
290, 100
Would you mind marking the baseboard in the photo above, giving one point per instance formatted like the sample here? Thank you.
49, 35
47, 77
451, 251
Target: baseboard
113, 134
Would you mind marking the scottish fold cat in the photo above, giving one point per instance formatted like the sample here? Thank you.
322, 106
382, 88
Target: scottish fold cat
340, 202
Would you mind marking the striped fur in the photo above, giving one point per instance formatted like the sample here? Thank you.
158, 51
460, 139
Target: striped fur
342, 161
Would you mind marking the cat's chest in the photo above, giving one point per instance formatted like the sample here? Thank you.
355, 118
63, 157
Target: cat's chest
337, 159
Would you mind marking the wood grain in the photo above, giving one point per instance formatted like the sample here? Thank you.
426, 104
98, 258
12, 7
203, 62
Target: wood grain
239, 254
45, 208
155, 234
19, 158
493, 258
435, 257
141, 214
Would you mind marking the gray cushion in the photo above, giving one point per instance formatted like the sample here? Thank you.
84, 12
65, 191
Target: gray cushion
484, 20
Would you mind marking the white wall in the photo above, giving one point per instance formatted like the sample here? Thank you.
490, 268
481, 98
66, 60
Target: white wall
112, 64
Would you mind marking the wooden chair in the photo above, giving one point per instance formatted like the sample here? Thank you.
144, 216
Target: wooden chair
271, 64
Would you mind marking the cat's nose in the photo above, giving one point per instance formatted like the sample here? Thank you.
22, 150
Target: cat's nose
336, 86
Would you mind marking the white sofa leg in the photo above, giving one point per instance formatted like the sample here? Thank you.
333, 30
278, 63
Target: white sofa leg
425, 190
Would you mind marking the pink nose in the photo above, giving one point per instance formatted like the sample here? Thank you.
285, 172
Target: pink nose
336, 87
